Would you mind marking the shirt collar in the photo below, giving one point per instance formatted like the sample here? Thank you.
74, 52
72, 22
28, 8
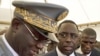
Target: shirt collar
8, 46
88, 54
61, 54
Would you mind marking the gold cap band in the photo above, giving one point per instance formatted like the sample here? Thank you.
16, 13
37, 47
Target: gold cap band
40, 21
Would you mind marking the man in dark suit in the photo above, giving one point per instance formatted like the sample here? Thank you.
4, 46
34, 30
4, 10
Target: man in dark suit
68, 36
29, 28
88, 42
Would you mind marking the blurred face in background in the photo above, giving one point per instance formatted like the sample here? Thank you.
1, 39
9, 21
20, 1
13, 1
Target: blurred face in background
87, 43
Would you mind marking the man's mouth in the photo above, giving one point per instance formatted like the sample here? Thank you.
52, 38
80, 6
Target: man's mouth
68, 48
33, 53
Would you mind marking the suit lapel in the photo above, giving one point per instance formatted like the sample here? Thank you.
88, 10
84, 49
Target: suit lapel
95, 53
54, 53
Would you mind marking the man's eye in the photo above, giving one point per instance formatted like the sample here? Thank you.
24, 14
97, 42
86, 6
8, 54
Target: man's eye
91, 42
74, 35
62, 35
84, 41
66, 35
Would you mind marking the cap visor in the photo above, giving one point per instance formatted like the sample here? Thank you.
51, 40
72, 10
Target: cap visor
53, 37
48, 35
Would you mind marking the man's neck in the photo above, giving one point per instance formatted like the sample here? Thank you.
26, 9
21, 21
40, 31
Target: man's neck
61, 54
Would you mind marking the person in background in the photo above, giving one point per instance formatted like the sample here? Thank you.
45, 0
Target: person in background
29, 28
68, 36
88, 41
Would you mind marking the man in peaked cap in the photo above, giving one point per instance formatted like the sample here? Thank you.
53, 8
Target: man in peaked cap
30, 27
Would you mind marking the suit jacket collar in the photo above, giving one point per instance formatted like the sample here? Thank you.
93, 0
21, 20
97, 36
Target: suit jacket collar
95, 53
54, 53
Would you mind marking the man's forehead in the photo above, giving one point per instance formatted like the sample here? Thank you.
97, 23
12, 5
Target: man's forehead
88, 39
88, 36
85, 36
68, 28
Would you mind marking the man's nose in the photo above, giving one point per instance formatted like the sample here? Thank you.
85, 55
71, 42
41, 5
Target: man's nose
88, 45
40, 45
68, 38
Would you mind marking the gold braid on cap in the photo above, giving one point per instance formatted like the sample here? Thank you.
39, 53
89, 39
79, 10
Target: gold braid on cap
62, 16
40, 21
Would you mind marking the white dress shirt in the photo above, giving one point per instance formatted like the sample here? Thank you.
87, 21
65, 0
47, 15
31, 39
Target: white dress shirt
61, 54
8, 46
88, 54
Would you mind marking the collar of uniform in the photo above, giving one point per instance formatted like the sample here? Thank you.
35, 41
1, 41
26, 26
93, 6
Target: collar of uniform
61, 54
8, 46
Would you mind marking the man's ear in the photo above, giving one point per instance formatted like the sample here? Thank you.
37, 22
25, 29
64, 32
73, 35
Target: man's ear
15, 24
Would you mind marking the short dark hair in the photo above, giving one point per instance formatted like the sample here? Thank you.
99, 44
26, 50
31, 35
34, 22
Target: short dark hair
67, 21
89, 31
